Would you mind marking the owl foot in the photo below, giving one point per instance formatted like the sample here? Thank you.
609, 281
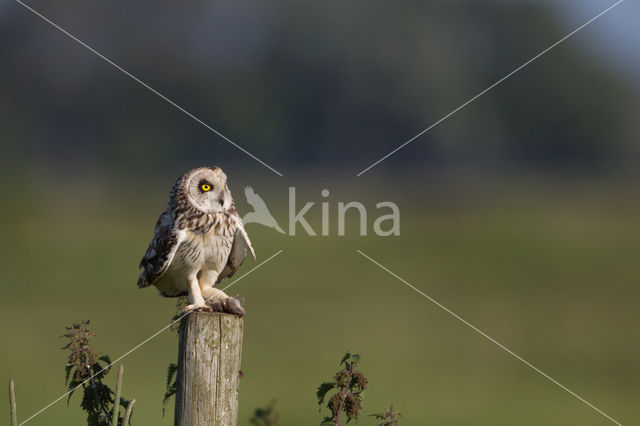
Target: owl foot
230, 305
196, 308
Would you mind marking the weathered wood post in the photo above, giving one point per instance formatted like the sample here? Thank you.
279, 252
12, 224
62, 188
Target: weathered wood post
209, 354
12, 403
116, 400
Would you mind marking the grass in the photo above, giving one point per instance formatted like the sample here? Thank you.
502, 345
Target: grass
548, 270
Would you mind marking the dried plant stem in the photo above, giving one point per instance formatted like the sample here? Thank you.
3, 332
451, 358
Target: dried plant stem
12, 403
116, 401
127, 414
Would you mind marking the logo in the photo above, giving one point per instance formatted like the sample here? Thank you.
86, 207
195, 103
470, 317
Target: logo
386, 223
260, 213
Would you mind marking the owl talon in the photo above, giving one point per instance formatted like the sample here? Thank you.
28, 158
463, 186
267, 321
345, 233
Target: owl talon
196, 308
232, 305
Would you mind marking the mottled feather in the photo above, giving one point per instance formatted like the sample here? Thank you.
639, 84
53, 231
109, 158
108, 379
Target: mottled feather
161, 250
241, 244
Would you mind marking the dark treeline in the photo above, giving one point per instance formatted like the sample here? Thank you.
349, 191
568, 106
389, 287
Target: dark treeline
307, 83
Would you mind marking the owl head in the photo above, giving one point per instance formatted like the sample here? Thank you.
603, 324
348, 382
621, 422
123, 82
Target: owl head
205, 188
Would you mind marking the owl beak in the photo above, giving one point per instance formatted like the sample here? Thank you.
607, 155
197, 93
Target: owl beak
221, 201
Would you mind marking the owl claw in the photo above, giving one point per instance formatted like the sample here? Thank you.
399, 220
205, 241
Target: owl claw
232, 305
196, 308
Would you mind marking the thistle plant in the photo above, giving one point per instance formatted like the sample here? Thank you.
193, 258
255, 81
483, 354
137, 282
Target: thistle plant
349, 385
85, 368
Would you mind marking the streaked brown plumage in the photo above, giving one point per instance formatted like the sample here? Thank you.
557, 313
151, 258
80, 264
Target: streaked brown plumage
198, 240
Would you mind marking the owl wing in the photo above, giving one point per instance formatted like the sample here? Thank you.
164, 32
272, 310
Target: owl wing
161, 250
241, 244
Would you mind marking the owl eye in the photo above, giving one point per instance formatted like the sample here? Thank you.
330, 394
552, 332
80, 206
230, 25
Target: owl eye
205, 187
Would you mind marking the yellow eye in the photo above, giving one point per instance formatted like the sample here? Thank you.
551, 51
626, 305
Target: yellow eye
205, 187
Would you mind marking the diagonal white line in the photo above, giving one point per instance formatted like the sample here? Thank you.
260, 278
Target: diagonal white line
490, 87
500, 345
141, 343
145, 85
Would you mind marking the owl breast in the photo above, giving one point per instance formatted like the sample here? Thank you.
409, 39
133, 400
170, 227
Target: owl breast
203, 255
215, 251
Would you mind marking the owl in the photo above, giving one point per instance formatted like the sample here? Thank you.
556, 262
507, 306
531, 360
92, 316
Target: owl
198, 241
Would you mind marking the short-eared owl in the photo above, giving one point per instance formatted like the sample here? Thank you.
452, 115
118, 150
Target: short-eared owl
198, 241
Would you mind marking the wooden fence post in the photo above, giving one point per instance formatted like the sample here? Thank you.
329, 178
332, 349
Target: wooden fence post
209, 354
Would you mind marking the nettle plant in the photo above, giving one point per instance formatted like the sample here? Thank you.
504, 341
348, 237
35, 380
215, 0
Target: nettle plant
265, 416
86, 369
172, 384
348, 387
388, 417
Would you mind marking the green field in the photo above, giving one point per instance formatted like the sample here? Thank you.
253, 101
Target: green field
550, 270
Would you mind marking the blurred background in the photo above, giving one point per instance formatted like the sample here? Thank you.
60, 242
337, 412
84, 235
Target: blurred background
520, 212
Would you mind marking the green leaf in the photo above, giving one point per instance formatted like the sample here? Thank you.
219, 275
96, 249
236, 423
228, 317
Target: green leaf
69, 397
171, 390
105, 358
98, 372
322, 391
171, 371
67, 372
355, 358
345, 358
171, 385
327, 421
